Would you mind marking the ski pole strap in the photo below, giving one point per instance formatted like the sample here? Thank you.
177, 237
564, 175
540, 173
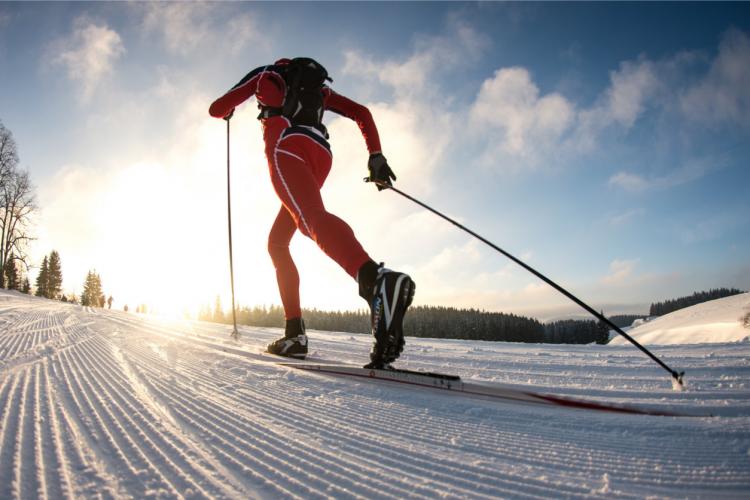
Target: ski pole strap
677, 376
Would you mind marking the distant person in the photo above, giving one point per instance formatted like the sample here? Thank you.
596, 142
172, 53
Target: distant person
292, 96
109, 302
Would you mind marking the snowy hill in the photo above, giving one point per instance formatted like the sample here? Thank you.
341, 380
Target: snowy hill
720, 320
108, 404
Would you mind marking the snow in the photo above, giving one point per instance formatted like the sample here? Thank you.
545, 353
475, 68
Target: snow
108, 404
720, 320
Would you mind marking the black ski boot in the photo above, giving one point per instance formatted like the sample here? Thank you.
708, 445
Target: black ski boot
294, 342
391, 296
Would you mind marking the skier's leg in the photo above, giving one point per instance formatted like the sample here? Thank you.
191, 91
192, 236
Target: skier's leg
297, 182
297, 173
294, 342
287, 275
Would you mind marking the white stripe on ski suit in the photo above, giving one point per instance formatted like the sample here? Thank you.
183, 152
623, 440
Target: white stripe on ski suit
290, 154
283, 181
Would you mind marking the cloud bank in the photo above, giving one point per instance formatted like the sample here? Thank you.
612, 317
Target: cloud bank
88, 54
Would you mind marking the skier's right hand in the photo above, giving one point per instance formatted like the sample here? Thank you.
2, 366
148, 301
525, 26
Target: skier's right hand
380, 172
229, 115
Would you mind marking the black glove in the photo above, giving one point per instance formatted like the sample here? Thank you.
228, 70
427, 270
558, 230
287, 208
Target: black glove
229, 115
380, 172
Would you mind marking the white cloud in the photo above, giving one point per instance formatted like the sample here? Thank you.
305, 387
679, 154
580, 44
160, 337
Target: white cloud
625, 217
413, 75
415, 124
723, 95
620, 271
629, 181
183, 25
510, 102
688, 172
630, 89
186, 27
88, 54
516, 119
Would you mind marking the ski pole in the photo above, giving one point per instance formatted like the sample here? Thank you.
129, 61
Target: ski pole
676, 376
235, 333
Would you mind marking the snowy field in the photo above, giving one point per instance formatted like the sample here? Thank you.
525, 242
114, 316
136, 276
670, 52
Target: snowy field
105, 404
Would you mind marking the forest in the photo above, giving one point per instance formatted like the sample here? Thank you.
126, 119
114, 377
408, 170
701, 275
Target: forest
668, 306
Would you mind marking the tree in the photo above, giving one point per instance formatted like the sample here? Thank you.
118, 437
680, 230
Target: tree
8, 154
17, 203
12, 279
218, 311
602, 331
42, 279
26, 287
54, 276
92, 290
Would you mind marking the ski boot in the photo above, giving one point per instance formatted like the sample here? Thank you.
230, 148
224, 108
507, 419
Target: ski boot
391, 297
294, 342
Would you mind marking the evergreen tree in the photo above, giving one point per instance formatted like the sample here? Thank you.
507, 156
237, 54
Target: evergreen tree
42, 278
92, 290
12, 281
218, 311
54, 276
602, 331
26, 287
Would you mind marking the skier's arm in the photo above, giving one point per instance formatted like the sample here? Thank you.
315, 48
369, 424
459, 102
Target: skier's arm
244, 90
357, 112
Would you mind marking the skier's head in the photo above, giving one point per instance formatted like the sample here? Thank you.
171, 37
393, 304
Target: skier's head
283, 61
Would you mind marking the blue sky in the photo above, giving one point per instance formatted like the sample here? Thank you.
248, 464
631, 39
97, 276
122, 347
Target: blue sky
606, 144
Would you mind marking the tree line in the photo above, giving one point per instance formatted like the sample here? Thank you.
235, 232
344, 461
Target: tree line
49, 284
668, 306
426, 322
454, 323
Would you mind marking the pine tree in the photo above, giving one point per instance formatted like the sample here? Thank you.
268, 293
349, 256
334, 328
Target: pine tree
26, 287
92, 290
218, 311
42, 279
12, 281
54, 276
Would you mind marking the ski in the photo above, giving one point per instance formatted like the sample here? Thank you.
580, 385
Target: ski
496, 391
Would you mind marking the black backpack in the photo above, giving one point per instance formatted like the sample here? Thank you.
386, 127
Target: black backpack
303, 102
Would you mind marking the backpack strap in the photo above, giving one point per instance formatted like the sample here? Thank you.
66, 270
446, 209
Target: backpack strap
268, 112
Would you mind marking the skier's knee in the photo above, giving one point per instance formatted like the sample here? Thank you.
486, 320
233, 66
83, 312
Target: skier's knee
277, 250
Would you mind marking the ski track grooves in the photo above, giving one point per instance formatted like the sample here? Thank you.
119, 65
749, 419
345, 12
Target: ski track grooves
630, 456
104, 404
363, 446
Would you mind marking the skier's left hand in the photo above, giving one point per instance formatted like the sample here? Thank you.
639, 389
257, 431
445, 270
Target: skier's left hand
380, 172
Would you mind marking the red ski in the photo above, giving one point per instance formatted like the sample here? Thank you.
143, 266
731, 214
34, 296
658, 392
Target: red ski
454, 383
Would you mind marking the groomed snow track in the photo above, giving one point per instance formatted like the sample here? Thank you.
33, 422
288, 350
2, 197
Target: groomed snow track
107, 404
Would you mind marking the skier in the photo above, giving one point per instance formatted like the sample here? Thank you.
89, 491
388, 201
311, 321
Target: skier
292, 96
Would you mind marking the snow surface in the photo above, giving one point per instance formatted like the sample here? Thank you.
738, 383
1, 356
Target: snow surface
720, 320
108, 404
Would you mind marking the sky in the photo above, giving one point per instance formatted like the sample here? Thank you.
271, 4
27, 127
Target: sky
605, 144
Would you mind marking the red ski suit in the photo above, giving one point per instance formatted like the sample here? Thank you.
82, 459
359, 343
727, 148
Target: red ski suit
299, 160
